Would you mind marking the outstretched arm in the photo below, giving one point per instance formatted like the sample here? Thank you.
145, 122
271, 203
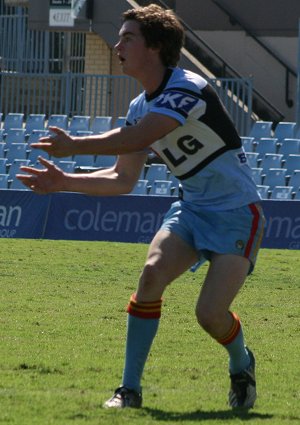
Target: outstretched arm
116, 180
119, 141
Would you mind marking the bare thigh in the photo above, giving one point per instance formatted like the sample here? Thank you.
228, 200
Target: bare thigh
168, 257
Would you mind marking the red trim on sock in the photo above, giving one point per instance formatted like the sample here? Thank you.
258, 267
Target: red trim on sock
233, 332
144, 310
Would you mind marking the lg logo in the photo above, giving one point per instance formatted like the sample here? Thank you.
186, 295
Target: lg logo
188, 145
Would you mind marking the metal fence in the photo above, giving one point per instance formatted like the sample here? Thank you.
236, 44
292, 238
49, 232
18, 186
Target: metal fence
81, 94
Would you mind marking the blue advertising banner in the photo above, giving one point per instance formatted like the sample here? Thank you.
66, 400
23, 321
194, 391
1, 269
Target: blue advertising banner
282, 228
22, 214
73, 216
119, 218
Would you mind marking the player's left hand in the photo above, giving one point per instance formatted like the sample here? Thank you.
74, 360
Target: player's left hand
58, 144
42, 181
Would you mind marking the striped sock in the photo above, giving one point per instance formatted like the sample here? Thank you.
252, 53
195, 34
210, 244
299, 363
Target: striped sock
142, 325
233, 342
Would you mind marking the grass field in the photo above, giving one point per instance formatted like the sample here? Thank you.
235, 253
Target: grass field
63, 327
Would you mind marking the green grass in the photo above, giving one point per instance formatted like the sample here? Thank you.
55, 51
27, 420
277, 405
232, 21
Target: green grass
63, 322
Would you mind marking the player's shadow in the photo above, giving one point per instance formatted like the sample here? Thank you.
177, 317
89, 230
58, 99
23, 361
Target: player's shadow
202, 415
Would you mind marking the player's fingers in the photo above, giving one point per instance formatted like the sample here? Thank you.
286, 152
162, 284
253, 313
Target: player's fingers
57, 130
42, 144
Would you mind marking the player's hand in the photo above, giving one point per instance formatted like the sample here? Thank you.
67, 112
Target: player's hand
42, 181
59, 144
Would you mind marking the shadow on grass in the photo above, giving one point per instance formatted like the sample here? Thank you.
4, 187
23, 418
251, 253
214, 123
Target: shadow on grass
246, 415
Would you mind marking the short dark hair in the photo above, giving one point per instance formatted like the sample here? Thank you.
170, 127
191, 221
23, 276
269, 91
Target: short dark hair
161, 29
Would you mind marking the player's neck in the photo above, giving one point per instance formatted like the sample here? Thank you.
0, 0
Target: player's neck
153, 78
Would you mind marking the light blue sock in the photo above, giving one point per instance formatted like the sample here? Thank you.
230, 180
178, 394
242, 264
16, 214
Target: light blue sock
140, 335
238, 354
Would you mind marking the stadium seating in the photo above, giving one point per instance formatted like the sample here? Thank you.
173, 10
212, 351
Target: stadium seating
285, 130
161, 188
294, 180
297, 195
266, 145
100, 124
17, 184
14, 168
84, 160
257, 175
156, 172
263, 190
33, 155
275, 177
141, 188
2, 149
104, 161
35, 122
261, 129
16, 151
281, 193
292, 163
13, 120
67, 166
119, 122
252, 158
289, 146
60, 121
4, 181
15, 135
247, 143
270, 160
3, 165
1, 134
79, 123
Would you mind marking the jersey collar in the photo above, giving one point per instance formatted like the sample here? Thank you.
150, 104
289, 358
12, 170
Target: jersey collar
157, 92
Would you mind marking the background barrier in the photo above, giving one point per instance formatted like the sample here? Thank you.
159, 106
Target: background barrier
71, 216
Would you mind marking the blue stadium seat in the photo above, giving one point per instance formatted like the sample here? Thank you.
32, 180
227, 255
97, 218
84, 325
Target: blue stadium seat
297, 195
281, 193
257, 175
35, 122
67, 166
289, 146
16, 151
261, 129
4, 181
3, 165
294, 180
275, 177
285, 130
83, 133
247, 143
15, 167
119, 122
265, 145
104, 161
13, 120
16, 184
156, 172
57, 120
252, 158
79, 122
15, 135
2, 149
33, 155
292, 163
140, 188
100, 124
84, 160
35, 135
161, 188
1, 134
264, 191
270, 160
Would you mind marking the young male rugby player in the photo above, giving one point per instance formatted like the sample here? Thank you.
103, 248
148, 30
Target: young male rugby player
218, 219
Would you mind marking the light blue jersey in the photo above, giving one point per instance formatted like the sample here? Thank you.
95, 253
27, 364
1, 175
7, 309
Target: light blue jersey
205, 151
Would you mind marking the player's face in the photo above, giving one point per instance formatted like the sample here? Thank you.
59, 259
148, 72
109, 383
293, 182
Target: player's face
133, 54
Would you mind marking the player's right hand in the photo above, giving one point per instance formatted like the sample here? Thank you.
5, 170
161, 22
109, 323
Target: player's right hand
42, 181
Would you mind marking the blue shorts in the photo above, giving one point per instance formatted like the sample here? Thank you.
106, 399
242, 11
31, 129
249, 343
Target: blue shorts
238, 231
